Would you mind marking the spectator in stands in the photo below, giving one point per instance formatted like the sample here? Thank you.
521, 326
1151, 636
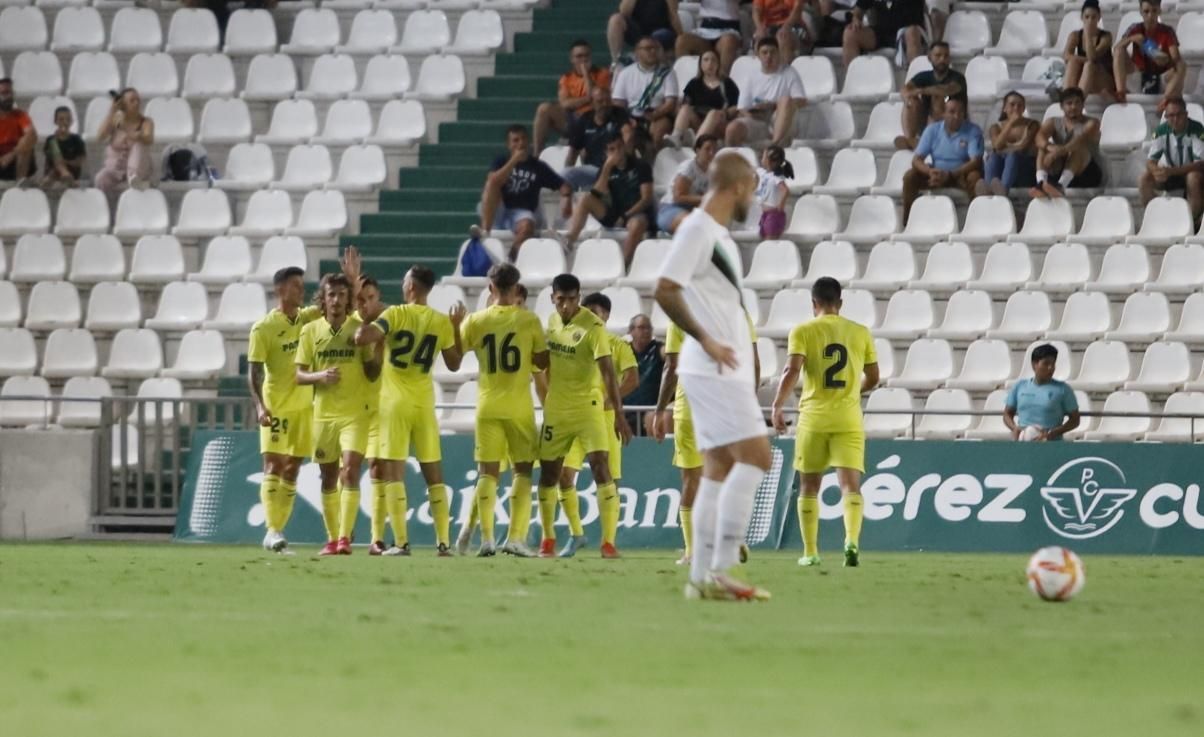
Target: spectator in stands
1088, 55
648, 91
689, 185
650, 355
64, 152
768, 101
638, 18
718, 29
18, 138
707, 104
1041, 408
925, 95
621, 198
782, 20
827, 21
130, 135
938, 14
956, 147
587, 139
772, 190
510, 199
574, 95
1012, 160
880, 24
1155, 50
1068, 149
1176, 158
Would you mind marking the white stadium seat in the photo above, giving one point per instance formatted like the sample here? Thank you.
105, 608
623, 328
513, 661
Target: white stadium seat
828, 125
860, 306
241, 305
173, 119
1190, 328
1022, 35
1125, 268
10, 305
988, 219
385, 77
815, 217
315, 31
883, 126
82, 211
77, 29
20, 413
1008, 267
41, 112
227, 259
38, 258
1166, 220
837, 259
990, 426
24, 211
425, 32
463, 418
154, 412
249, 167
868, 78
788, 308
270, 77
208, 76
361, 169
347, 122
1066, 268
225, 121
853, 171
1046, 221
293, 121
332, 76
135, 30
888, 425
625, 304
82, 413
157, 259
1086, 317
307, 168
322, 215
192, 31
1145, 315
204, 212
268, 212
806, 169
540, 260
929, 364
646, 264
817, 74
441, 77
1122, 127
969, 314
1164, 367
22, 29
278, 252
909, 314
598, 262
92, 74
1106, 220
1120, 428
372, 32
1180, 429
987, 365
153, 74
141, 212
967, 32
250, 32
94, 114
52, 305
945, 426
401, 123
892, 181
1106, 366
948, 267
774, 265
443, 297
1026, 315
886, 358
69, 352
983, 76
135, 354
113, 305
182, 306
478, 33
1182, 270
933, 218
18, 355
37, 73
890, 266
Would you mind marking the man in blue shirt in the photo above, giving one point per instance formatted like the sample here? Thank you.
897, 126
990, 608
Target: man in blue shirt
510, 199
1041, 408
955, 146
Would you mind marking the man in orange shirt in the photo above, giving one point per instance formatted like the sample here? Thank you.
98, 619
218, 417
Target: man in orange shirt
783, 20
17, 137
573, 97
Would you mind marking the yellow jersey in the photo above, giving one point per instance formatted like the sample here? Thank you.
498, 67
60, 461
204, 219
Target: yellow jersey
573, 352
834, 351
504, 337
623, 357
273, 343
414, 336
323, 348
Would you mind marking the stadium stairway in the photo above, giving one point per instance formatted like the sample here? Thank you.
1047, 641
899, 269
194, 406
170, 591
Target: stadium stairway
426, 219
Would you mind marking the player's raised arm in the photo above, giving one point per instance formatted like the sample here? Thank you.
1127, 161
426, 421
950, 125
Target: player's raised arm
453, 355
607, 368
789, 380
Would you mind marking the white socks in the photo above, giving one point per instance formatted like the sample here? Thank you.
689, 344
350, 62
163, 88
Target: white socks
1042, 175
1065, 178
736, 499
706, 510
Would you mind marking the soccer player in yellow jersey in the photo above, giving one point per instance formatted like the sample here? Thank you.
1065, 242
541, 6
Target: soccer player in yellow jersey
368, 307
508, 341
343, 375
578, 350
281, 407
836, 357
413, 334
626, 367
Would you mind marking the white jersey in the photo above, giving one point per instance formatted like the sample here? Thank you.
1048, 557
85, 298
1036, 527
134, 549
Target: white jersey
705, 261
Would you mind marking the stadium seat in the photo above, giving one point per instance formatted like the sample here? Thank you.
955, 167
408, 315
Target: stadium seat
10, 305
240, 306
347, 122
192, 31
52, 305
69, 352
929, 364
1026, 315
646, 264
774, 265
249, 167
361, 169
868, 78
540, 260
322, 215
173, 119
933, 218
182, 306
469, 370
818, 76
1086, 317
837, 259
94, 114
969, 314
372, 32
1106, 220
22, 29
37, 73
1105, 366
153, 74
983, 76
441, 77
886, 358
853, 172
788, 308
250, 32
307, 168
1119, 428
315, 31
888, 425
278, 252
1190, 328
401, 123
82, 211
767, 355
205, 212
990, 426
1067, 267
1166, 220
425, 32
41, 112
141, 212
24, 211
948, 267
38, 258
113, 305
828, 125
23, 413
268, 212
227, 259
1180, 429
92, 74
157, 259
386, 77
598, 262
542, 306
443, 297
136, 353
988, 219
225, 121
967, 32
1008, 267
82, 413
1182, 270
1046, 221
18, 355
1022, 35
1125, 269
1070, 22
270, 77
945, 426
463, 417
331, 77
1122, 127
293, 122
478, 33
986, 366
1164, 367
664, 167
625, 304
806, 169
883, 127
135, 30
208, 76
153, 412
909, 314
815, 217
1144, 316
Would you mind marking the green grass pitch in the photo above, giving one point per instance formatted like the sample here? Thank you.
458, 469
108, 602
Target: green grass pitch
128, 640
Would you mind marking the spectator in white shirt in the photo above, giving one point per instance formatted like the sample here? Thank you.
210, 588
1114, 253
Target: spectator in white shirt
689, 184
718, 29
648, 91
1176, 158
769, 99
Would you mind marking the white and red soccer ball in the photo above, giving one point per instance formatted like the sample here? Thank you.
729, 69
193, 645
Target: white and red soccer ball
1056, 574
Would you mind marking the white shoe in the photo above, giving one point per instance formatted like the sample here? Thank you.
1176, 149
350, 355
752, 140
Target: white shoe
274, 542
518, 549
673, 139
487, 550
684, 560
397, 550
463, 540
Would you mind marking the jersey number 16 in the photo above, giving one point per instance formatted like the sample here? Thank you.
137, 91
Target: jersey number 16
506, 357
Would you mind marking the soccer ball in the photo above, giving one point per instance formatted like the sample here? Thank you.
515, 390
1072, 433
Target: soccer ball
1056, 574
1030, 433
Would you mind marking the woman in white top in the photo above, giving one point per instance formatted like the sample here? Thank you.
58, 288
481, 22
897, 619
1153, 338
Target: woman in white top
689, 185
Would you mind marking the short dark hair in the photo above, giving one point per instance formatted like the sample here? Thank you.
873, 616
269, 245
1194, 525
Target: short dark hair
566, 283
1043, 351
1087, 4
368, 281
704, 139
960, 99
1071, 93
63, 109
597, 298
1176, 100
423, 275
767, 41
826, 291
517, 128
504, 276
579, 42
281, 275
938, 44
1155, 3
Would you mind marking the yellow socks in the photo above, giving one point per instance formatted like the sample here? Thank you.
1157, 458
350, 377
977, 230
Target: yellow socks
547, 511
269, 498
284, 503
486, 501
395, 502
350, 503
608, 511
520, 509
808, 522
686, 515
852, 519
572, 509
330, 513
437, 497
379, 510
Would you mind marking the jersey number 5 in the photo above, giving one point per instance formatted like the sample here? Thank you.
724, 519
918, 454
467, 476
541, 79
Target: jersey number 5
842, 359
508, 357
424, 356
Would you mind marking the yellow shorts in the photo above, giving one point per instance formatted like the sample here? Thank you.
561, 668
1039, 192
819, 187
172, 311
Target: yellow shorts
373, 449
816, 452
561, 430
333, 438
498, 440
576, 457
404, 425
685, 448
290, 434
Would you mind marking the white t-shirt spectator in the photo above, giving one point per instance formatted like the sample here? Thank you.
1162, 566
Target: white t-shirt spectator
759, 87
632, 88
694, 173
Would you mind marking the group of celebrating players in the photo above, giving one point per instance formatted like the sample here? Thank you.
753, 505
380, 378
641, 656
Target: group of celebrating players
350, 379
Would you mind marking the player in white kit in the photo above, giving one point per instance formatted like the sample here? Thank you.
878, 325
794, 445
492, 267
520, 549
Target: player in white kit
699, 289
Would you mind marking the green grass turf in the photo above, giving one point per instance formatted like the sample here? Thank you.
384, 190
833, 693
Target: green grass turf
109, 639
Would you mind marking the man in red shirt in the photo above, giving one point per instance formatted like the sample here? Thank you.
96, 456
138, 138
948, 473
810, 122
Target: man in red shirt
573, 95
17, 137
1156, 55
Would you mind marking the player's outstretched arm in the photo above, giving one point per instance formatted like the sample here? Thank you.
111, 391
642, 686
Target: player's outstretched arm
785, 391
611, 382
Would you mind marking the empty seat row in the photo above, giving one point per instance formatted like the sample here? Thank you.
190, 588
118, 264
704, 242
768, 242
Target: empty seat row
79, 402
134, 353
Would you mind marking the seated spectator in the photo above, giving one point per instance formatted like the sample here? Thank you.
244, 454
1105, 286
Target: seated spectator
64, 152
650, 360
587, 139
881, 24
772, 190
130, 135
638, 18
1068, 152
925, 94
707, 104
718, 29
510, 199
1176, 158
621, 198
18, 138
647, 90
1155, 50
689, 185
1041, 408
955, 146
1088, 55
768, 101
782, 20
573, 94
1012, 160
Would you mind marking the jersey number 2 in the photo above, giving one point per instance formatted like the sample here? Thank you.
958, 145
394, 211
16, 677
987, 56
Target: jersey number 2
842, 359
424, 356
507, 358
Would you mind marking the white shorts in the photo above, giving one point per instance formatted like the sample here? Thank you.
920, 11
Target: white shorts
724, 411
